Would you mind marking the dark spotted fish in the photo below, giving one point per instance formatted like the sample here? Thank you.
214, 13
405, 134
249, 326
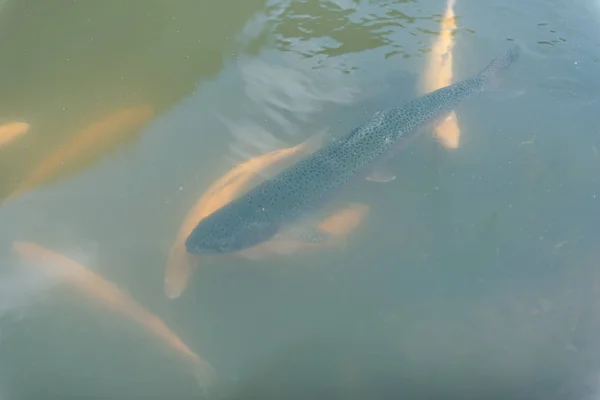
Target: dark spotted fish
278, 205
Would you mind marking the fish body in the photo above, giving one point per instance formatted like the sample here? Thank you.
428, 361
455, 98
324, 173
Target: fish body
181, 264
11, 131
96, 288
439, 73
86, 146
284, 200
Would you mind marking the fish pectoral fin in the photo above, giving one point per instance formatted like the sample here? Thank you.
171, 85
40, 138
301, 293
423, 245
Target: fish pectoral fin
304, 234
381, 175
291, 240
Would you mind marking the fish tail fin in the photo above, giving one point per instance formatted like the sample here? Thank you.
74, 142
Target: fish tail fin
490, 74
317, 141
205, 376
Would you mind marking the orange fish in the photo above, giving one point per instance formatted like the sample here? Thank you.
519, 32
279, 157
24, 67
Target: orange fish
94, 287
87, 145
181, 264
438, 74
338, 225
11, 131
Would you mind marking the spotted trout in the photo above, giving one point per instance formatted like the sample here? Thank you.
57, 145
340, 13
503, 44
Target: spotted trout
280, 206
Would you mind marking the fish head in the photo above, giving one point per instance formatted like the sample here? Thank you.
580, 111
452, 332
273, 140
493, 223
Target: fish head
229, 234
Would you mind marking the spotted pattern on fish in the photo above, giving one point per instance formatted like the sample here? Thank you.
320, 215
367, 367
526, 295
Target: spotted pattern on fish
301, 189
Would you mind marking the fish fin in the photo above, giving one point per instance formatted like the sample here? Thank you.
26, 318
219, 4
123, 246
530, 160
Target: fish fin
291, 240
381, 174
286, 243
304, 233
181, 265
447, 131
318, 141
205, 376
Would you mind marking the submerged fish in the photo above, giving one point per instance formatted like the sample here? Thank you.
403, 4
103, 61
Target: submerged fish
279, 205
337, 227
181, 264
106, 293
438, 73
86, 146
11, 131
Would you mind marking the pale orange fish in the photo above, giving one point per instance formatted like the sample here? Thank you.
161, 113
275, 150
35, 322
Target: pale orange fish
338, 225
87, 145
10, 131
96, 288
181, 264
438, 74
